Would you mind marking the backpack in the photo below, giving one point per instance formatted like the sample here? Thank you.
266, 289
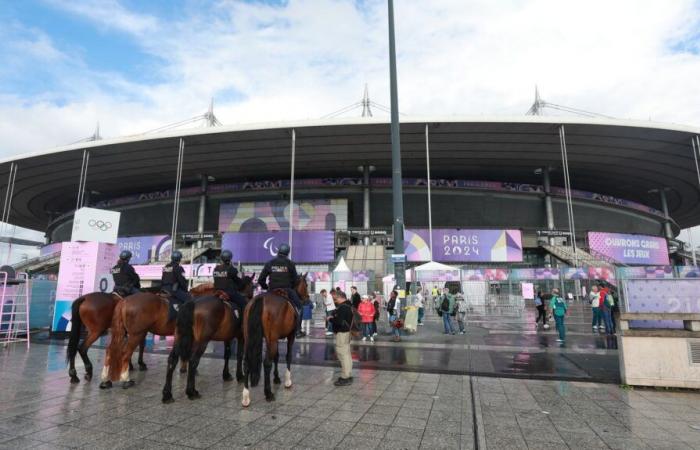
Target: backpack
610, 300
445, 305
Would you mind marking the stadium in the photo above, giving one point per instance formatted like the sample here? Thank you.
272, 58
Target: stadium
486, 173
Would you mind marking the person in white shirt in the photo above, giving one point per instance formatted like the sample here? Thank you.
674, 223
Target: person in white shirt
419, 303
330, 307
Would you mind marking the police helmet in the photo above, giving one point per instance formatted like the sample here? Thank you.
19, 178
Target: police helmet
226, 256
125, 255
284, 250
176, 257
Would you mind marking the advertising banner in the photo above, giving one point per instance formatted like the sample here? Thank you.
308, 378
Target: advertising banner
662, 296
453, 245
84, 268
50, 249
146, 248
323, 214
633, 249
307, 246
95, 225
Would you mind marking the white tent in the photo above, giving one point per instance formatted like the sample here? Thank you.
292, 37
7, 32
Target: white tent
435, 271
342, 271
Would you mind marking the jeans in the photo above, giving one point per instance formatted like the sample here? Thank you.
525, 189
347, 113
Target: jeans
329, 324
447, 323
366, 329
607, 319
595, 321
394, 330
460, 320
561, 328
374, 327
421, 313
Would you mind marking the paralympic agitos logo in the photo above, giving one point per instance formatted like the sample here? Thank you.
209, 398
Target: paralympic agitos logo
100, 225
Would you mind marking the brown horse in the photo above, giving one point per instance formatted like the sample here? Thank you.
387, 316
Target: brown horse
205, 319
272, 317
94, 312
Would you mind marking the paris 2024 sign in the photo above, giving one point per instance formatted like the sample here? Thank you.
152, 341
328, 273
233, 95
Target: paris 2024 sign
634, 249
464, 245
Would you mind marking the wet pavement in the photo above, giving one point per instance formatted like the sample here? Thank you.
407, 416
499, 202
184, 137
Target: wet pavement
40, 409
499, 342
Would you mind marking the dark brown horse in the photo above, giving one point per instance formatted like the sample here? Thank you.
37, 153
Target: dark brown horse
93, 312
270, 316
206, 319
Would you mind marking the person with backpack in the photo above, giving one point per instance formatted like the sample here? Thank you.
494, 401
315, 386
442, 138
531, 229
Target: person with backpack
447, 305
541, 310
607, 302
558, 306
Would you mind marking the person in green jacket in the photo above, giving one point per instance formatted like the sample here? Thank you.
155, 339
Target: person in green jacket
446, 306
558, 306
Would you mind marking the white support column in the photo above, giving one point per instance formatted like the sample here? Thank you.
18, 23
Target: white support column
430, 206
291, 192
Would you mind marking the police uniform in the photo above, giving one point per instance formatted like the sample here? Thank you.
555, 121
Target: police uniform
173, 282
282, 274
226, 279
126, 280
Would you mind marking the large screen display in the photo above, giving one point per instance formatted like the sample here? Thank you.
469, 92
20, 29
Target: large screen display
630, 248
324, 214
307, 246
452, 245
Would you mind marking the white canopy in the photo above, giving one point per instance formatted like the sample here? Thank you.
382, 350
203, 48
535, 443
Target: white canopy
342, 271
435, 271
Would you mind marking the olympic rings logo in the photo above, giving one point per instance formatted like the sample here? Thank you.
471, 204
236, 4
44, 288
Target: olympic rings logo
99, 225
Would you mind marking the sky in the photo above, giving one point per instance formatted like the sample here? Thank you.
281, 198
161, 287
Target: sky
133, 66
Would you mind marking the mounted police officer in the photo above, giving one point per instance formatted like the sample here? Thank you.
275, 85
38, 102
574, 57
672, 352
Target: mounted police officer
173, 280
283, 275
126, 280
226, 279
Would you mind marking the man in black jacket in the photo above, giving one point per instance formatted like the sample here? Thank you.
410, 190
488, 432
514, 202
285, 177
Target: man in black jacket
173, 279
282, 273
355, 297
342, 318
226, 279
126, 280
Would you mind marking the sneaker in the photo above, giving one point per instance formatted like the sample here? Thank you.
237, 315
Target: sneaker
595, 327
461, 332
421, 324
364, 339
374, 335
560, 340
329, 333
371, 339
343, 382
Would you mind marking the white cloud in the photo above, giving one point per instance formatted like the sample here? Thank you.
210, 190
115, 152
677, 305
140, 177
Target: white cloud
311, 57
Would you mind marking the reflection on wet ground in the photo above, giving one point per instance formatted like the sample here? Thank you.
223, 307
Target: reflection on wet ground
499, 342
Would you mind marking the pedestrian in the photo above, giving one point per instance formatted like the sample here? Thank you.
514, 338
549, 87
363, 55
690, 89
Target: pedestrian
447, 305
541, 310
376, 314
342, 318
307, 311
558, 306
461, 307
355, 297
607, 302
329, 305
594, 300
420, 305
366, 310
392, 309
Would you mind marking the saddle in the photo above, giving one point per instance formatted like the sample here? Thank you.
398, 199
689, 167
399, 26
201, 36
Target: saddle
281, 293
172, 310
222, 295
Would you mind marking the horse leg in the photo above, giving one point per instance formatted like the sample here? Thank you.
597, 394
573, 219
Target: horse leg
83, 349
245, 397
131, 344
240, 376
172, 364
276, 374
288, 372
191, 392
227, 355
270, 355
72, 373
106, 383
142, 347
183, 366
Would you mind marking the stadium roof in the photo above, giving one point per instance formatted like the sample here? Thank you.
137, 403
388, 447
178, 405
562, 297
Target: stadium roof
625, 159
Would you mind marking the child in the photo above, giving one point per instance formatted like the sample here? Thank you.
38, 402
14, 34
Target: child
559, 307
366, 310
306, 315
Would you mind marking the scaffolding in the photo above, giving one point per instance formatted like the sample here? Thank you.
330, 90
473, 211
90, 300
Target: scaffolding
14, 308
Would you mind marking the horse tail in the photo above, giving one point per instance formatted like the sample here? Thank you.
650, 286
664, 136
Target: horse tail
115, 350
254, 340
185, 330
75, 329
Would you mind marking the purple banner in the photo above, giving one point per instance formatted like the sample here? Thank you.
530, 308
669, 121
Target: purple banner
452, 245
307, 246
630, 248
50, 249
145, 248
662, 296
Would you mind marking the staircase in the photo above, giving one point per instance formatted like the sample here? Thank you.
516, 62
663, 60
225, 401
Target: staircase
581, 258
367, 257
38, 264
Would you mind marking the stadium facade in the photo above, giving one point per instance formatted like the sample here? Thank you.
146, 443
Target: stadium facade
486, 174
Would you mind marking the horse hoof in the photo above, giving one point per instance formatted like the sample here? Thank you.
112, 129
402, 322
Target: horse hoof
193, 395
74, 379
183, 369
245, 403
128, 384
277, 380
88, 377
106, 385
288, 385
228, 377
168, 398
270, 398
142, 367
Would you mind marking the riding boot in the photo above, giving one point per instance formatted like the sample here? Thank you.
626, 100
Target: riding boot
297, 330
